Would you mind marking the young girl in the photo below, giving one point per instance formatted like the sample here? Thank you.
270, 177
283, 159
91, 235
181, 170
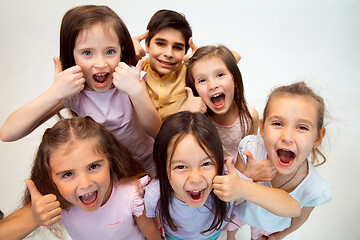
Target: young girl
212, 74
93, 41
84, 176
291, 131
188, 155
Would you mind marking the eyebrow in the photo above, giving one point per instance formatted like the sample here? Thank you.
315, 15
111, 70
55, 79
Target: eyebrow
164, 40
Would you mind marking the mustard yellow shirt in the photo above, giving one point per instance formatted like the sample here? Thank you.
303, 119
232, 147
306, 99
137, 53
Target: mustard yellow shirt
167, 92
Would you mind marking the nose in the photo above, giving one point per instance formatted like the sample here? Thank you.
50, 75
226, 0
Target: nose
195, 177
84, 181
168, 52
100, 62
287, 135
213, 83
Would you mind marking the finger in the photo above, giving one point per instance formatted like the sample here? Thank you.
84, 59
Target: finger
192, 45
57, 63
142, 36
189, 92
230, 166
249, 156
140, 64
34, 192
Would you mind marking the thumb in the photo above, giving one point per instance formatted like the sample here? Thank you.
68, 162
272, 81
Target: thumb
230, 166
189, 92
58, 67
192, 45
142, 36
34, 192
249, 155
140, 64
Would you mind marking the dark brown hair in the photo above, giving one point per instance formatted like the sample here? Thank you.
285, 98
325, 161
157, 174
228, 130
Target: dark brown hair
164, 19
301, 89
82, 17
173, 130
68, 131
230, 62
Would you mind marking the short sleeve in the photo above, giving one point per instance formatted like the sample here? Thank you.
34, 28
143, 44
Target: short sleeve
138, 199
253, 144
151, 198
321, 195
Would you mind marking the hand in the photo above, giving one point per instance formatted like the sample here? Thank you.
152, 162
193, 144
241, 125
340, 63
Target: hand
139, 51
259, 170
69, 82
45, 209
193, 50
127, 79
192, 103
226, 186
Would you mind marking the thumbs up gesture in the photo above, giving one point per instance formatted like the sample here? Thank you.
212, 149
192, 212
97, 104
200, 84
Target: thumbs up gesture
127, 79
193, 50
45, 209
192, 103
69, 82
139, 51
229, 187
262, 170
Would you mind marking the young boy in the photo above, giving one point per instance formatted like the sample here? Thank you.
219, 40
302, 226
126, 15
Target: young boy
167, 40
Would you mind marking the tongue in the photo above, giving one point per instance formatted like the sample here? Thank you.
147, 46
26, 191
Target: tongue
218, 101
195, 195
89, 198
285, 156
100, 79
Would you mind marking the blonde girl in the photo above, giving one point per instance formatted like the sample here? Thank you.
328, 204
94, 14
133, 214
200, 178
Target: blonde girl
84, 177
291, 132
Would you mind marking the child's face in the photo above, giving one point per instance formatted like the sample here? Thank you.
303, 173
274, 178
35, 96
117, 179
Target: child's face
166, 51
290, 131
191, 172
81, 174
97, 51
215, 84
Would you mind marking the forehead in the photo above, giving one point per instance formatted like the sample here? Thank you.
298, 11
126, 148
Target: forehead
294, 105
170, 35
102, 31
213, 61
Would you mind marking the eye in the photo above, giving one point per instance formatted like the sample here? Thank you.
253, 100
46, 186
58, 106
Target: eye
208, 163
160, 44
87, 53
110, 52
304, 128
202, 80
277, 124
67, 175
220, 75
94, 166
179, 48
180, 167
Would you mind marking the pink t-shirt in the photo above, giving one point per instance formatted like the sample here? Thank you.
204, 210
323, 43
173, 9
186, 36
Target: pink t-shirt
113, 220
115, 112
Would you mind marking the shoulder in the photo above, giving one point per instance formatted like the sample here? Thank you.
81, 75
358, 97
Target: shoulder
151, 197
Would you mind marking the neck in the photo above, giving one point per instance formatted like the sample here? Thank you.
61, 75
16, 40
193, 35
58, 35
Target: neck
227, 118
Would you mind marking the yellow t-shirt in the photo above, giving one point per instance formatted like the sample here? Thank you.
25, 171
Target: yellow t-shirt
167, 92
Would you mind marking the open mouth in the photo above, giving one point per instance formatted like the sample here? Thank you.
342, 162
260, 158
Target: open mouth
218, 100
285, 157
101, 79
197, 195
89, 200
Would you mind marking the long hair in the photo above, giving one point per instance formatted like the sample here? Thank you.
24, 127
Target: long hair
301, 89
230, 62
173, 130
68, 131
82, 17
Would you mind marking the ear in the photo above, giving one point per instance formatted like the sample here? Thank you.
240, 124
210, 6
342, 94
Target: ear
261, 126
320, 137
147, 46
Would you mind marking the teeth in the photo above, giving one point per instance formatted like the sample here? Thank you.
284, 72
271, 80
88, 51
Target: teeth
88, 194
216, 95
100, 74
196, 191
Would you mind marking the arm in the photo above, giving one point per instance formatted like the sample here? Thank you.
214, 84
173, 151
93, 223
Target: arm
42, 211
148, 227
231, 187
257, 170
128, 80
296, 222
255, 118
24, 120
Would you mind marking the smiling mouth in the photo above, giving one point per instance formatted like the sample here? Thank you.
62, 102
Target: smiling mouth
197, 195
285, 157
218, 100
101, 79
89, 200
166, 64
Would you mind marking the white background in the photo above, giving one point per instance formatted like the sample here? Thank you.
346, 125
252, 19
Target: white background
280, 41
